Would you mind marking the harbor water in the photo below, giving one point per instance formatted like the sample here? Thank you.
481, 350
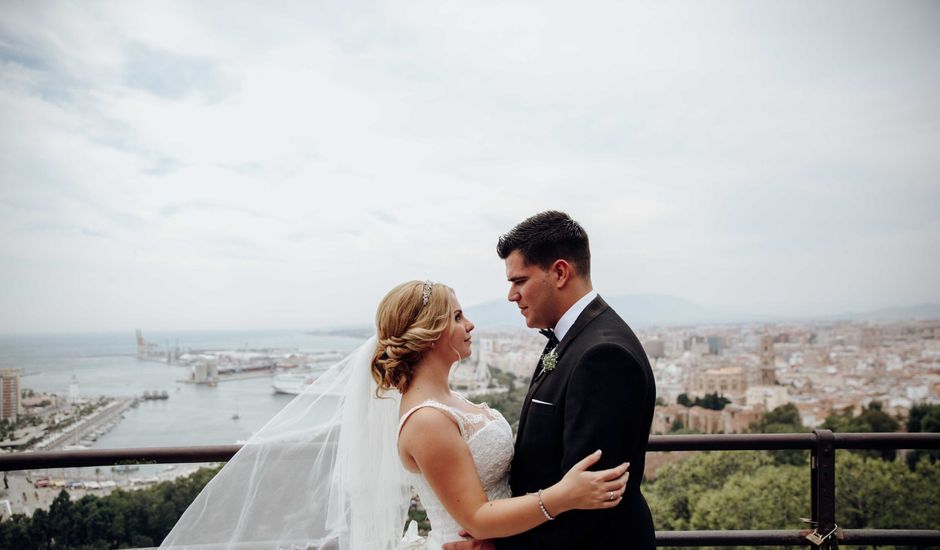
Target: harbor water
106, 364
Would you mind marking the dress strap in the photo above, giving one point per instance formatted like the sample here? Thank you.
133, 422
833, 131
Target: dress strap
462, 422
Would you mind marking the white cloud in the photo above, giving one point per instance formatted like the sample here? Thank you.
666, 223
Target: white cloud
182, 165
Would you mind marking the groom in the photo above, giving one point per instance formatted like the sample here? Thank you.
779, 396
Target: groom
595, 390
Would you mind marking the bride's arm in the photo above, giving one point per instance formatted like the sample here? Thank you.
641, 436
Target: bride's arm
432, 440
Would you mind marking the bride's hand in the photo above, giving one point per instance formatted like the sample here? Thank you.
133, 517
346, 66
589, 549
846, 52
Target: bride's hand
584, 490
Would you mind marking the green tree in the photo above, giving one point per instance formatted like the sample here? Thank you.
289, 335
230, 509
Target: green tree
678, 428
783, 419
872, 419
877, 494
923, 418
713, 401
771, 497
38, 532
119, 520
745, 490
60, 520
508, 403
672, 496
14, 531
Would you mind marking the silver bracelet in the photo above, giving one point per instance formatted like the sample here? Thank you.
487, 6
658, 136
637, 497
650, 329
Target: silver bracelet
542, 506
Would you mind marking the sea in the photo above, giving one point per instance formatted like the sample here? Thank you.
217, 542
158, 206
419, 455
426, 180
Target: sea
105, 364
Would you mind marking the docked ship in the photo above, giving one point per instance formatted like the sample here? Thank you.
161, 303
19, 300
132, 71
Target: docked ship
296, 380
293, 383
154, 395
296, 383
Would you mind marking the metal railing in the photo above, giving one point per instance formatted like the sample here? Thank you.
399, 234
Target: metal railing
822, 445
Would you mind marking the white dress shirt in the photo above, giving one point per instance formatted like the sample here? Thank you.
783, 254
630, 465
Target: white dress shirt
570, 316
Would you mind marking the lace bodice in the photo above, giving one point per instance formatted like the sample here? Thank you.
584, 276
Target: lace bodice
490, 440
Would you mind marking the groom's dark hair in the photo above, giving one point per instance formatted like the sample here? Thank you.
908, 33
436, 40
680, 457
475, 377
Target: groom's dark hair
546, 237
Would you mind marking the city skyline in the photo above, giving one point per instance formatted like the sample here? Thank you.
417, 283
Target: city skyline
213, 167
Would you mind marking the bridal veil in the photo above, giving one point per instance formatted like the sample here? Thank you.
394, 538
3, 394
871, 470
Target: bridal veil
324, 473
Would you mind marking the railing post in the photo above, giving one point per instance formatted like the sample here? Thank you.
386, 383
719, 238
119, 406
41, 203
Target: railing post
823, 481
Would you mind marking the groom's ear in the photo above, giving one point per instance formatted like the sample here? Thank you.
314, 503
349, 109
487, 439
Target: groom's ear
560, 273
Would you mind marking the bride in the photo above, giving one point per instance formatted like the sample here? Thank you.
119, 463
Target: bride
335, 468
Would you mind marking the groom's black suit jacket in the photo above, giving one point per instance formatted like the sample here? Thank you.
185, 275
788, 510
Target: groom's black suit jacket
601, 396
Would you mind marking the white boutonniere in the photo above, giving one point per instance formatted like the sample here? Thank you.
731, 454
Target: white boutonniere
550, 361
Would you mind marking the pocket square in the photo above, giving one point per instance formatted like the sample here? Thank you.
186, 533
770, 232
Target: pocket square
542, 402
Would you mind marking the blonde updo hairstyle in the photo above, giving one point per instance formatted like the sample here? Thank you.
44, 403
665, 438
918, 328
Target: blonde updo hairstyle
407, 328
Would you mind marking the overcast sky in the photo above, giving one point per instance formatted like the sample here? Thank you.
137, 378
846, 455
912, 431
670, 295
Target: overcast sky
234, 165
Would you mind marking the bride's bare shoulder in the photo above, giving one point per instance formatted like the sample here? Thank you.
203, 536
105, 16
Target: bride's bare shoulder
427, 418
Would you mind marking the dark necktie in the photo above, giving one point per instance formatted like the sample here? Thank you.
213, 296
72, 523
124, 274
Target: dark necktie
549, 346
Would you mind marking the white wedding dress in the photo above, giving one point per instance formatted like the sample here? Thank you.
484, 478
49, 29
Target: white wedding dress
325, 473
490, 440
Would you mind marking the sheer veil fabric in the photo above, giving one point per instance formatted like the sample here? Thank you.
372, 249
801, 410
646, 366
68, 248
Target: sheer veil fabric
324, 473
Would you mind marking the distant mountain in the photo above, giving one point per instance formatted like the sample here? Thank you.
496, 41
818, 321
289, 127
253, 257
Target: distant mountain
646, 310
918, 312
639, 310
349, 331
496, 314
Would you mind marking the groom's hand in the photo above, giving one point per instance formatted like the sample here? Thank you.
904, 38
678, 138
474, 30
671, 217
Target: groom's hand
471, 544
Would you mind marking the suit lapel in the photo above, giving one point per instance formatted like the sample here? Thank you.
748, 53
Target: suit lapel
537, 378
538, 368
593, 309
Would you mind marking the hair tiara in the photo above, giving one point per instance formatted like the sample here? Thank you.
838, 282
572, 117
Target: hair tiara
426, 295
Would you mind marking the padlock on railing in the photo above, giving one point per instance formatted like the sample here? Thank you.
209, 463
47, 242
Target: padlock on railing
818, 539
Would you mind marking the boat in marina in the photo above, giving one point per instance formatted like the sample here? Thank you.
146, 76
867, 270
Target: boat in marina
155, 395
293, 383
297, 383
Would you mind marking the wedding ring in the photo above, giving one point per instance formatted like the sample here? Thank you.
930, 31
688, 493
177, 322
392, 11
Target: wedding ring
610, 495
